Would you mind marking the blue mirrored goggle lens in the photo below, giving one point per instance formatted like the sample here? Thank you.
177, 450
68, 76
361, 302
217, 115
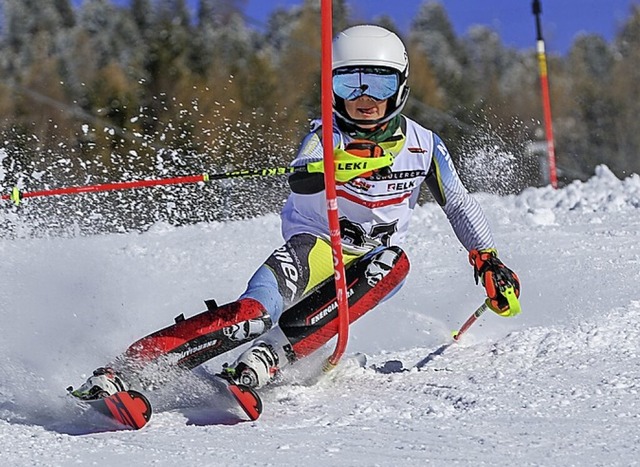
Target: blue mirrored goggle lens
354, 84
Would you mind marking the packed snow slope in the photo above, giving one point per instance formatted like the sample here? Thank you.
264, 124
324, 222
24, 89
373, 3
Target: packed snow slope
556, 386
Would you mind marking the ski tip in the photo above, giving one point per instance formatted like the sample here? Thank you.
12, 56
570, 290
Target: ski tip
248, 400
130, 409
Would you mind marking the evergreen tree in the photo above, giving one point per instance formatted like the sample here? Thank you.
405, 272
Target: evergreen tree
340, 12
496, 77
222, 39
168, 43
25, 22
141, 11
432, 31
66, 13
299, 67
33, 36
221, 57
425, 98
486, 62
279, 27
519, 84
625, 90
102, 70
588, 136
432, 35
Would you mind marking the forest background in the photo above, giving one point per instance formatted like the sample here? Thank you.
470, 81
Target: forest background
103, 93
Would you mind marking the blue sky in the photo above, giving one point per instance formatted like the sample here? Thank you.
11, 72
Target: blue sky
512, 19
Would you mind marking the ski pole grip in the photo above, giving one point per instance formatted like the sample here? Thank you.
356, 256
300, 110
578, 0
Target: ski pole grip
512, 299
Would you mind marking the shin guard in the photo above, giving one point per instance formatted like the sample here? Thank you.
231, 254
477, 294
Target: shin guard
310, 323
191, 342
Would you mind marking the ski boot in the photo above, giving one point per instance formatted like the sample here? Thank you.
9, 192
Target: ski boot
103, 383
254, 368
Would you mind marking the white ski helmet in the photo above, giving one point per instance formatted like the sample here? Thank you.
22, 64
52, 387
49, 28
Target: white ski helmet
368, 46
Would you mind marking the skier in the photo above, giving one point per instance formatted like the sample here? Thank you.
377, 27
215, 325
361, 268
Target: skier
382, 157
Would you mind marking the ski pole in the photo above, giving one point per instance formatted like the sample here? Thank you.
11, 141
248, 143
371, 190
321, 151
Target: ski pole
472, 319
17, 195
512, 310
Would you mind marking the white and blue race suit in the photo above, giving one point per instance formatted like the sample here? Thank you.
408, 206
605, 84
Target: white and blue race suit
373, 211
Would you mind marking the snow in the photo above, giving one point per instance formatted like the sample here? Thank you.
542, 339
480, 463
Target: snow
557, 385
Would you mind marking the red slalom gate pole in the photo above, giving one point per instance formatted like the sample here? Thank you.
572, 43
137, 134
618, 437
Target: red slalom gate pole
546, 101
16, 195
330, 185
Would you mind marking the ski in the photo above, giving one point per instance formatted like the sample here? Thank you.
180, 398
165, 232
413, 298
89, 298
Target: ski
129, 409
246, 398
132, 410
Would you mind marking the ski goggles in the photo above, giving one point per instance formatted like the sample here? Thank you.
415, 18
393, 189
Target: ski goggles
354, 82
